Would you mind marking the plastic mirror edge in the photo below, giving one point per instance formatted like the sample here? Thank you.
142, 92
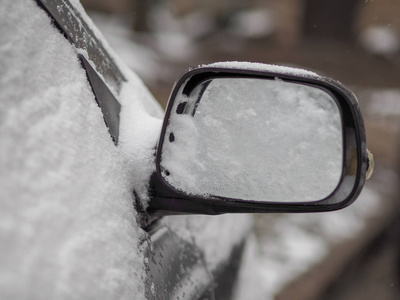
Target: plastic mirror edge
167, 200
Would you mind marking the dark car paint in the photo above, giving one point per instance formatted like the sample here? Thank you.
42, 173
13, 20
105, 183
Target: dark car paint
175, 268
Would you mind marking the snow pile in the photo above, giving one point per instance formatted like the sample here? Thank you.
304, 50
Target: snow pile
67, 223
274, 141
140, 127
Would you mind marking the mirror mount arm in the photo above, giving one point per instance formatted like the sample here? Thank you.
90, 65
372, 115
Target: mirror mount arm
162, 206
167, 202
163, 202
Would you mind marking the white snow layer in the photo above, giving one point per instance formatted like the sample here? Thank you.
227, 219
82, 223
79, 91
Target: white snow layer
254, 139
67, 223
262, 67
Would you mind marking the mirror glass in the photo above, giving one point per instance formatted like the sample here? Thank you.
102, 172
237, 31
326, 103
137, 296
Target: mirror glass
254, 139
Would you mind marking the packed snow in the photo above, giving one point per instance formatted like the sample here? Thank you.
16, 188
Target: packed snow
67, 223
255, 139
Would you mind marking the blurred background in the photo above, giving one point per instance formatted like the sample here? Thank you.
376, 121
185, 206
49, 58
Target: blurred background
351, 254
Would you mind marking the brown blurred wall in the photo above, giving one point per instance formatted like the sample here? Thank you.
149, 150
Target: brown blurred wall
382, 12
294, 19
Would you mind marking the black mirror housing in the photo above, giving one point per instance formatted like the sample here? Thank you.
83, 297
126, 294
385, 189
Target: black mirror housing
168, 199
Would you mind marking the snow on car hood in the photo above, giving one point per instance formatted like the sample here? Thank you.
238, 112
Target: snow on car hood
67, 223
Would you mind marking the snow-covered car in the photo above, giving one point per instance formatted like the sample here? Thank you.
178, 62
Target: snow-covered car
89, 186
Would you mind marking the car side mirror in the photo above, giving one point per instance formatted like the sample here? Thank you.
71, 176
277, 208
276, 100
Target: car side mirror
256, 138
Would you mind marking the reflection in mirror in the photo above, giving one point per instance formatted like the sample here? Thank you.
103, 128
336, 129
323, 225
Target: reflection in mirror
254, 139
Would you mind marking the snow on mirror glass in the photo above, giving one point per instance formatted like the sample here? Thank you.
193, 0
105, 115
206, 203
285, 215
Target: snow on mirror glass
254, 139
